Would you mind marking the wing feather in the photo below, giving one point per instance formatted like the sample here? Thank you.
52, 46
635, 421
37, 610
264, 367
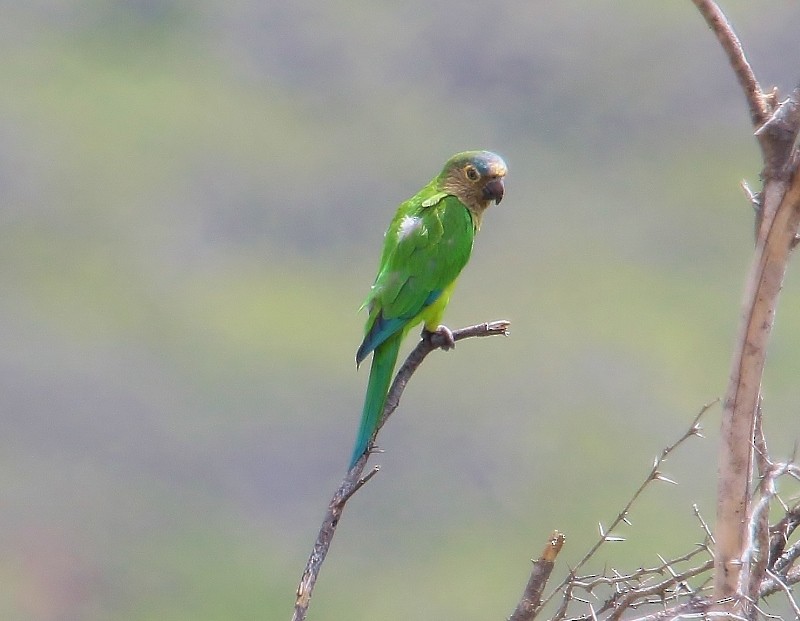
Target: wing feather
426, 247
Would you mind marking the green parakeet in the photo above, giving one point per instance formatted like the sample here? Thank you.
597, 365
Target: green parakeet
428, 243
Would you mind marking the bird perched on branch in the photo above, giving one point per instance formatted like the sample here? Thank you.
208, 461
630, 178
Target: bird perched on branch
426, 246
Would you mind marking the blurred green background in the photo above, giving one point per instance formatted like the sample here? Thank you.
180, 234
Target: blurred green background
193, 196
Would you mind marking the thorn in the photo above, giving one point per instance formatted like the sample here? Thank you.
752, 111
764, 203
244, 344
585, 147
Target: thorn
753, 197
667, 566
660, 477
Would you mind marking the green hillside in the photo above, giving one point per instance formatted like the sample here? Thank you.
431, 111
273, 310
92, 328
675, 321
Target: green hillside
193, 202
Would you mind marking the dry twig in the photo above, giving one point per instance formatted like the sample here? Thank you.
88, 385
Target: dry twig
716, 20
679, 588
632, 589
540, 574
568, 584
354, 480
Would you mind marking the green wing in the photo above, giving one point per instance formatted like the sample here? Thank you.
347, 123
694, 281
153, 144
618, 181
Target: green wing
427, 245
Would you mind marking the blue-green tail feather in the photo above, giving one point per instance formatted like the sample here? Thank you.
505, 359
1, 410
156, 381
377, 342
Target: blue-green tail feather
380, 376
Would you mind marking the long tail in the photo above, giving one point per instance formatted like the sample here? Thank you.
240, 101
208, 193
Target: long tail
380, 376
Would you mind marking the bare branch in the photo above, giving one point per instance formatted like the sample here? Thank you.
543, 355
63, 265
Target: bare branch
758, 546
703, 523
770, 585
756, 551
776, 129
529, 603
784, 587
568, 583
353, 481
423, 348
656, 589
742, 396
779, 536
759, 107
777, 138
746, 548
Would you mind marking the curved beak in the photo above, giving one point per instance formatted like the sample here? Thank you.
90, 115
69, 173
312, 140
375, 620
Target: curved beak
493, 190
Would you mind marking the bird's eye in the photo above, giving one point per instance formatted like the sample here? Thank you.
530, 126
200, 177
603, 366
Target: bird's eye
472, 173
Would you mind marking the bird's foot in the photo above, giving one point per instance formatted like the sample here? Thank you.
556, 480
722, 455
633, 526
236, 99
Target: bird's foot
442, 337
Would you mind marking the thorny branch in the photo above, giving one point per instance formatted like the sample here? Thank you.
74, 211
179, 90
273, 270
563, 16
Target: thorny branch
716, 20
681, 587
779, 535
634, 589
654, 475
353, 480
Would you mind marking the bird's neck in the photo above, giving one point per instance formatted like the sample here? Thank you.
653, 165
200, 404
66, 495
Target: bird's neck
477, 218
469, 197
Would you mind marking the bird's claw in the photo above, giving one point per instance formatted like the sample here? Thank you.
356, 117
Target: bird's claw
443, 335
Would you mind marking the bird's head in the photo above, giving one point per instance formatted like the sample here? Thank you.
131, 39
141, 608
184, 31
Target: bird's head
475, 178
